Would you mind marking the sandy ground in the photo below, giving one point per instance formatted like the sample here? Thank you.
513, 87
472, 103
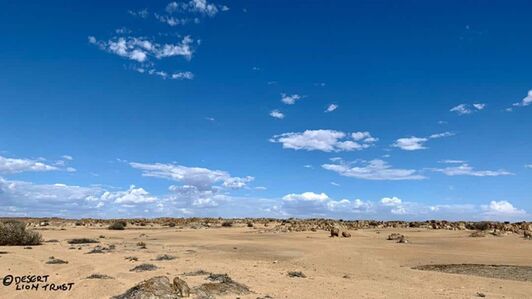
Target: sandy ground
363, 266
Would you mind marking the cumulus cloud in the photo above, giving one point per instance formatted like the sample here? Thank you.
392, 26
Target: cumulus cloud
331, 108
310, 204
277, 114
463, 109
417, 143
465, 169
373, 170
290, 99
502, 208
131, 196
202, 178
11, 165
526, 101
325, 140
528, 166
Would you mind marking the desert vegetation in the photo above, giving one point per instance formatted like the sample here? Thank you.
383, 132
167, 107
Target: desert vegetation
15, 233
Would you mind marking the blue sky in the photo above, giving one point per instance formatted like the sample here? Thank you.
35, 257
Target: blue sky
343, 109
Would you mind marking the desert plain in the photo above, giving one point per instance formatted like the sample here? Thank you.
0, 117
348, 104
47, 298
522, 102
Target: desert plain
270, 259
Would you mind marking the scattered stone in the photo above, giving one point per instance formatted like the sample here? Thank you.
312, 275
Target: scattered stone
403, 239
335, 232
82, 241
165, 257
479, 294
28, 247
100, 249
99, 276
394, 236
197, 273
51, 241
296, 274
182, 287
219, 277
132, 258
144, 267
158, 287
346, 234
141, 245
53, 260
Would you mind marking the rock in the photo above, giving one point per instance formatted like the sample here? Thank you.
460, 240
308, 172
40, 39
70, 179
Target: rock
144, 267
335, 232
158, 287
527, 234
403, 239
182, 287
346, 235
296, 274
395, 236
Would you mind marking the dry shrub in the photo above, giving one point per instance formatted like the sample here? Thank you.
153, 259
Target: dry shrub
14, 233
119, 225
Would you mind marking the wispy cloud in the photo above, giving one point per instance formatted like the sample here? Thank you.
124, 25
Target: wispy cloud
17, 165
141, 49
465, 169
325, 140
463, 109
417, 143
373, 170
202, 178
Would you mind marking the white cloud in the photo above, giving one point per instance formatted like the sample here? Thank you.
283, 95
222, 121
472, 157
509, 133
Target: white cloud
479, 106
526, 101
465, 169
202, 178
140, 13
11, 165
306, 196
196, 6
320, 204
290, 99
373, 170
391, 201
528, 166
67, 157
277, 114
141, 49
331, 108
463, 109
410, 143
324, 140
502, 207
132, 196
417, 143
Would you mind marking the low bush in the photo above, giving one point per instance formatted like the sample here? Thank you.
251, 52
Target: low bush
14, 233
119, 225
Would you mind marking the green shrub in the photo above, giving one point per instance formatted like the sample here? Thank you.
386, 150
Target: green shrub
14, 233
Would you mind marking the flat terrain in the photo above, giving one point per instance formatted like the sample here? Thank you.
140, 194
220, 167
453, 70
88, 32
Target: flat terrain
367, 265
